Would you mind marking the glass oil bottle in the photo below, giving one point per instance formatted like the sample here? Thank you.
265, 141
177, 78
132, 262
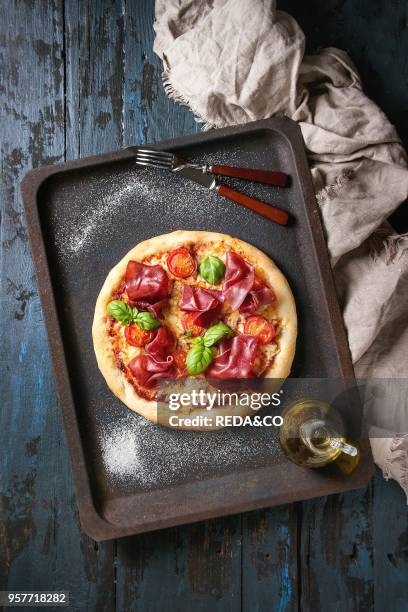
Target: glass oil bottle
312, 435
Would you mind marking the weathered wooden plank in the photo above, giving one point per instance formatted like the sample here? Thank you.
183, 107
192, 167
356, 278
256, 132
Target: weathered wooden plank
149, 115
269, 560
31, 134
390, 534
186, 568
95, 65
336, 554
41, 543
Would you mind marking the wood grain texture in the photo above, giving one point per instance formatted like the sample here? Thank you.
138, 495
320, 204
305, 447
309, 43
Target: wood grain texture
277, 215
336, 553
270, 543
197, 567
42, 546
390, 539
149, 115
267, 177
77, 78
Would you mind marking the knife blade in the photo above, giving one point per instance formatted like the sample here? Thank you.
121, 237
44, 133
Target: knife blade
197, 175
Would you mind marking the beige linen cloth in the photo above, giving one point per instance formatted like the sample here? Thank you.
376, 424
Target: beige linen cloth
235, 61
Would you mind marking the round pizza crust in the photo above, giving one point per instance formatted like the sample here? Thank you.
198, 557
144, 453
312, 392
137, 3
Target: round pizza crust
285, 310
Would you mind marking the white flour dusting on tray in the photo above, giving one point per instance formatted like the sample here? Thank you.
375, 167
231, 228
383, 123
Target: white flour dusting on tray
135, 452
134, 184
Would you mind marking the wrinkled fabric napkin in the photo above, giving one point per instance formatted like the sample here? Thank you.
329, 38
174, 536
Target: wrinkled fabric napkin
235, 61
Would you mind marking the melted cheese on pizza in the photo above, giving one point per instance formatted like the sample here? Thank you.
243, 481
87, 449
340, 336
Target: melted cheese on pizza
171, 314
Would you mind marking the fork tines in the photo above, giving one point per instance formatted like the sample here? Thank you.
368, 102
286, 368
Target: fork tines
155, 158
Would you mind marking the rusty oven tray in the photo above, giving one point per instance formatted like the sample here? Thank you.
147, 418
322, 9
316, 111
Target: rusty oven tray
83, 216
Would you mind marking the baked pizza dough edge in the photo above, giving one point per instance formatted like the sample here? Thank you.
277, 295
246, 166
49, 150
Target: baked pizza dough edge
286, 310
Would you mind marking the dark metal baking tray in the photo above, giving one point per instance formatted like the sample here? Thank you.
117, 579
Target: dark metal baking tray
83, 216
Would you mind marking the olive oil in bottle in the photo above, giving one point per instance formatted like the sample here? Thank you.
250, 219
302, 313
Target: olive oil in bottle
312, 434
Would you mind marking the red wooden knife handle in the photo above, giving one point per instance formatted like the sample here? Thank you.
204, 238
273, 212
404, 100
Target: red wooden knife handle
259, 176
262, 208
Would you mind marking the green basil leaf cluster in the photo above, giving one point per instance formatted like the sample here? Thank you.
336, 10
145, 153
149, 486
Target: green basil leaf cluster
200, 355
212, 269
126, 315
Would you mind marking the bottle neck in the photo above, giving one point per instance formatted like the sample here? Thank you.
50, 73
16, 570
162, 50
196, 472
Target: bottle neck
319, 436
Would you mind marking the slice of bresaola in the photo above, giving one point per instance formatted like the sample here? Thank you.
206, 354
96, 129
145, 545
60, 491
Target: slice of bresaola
238, 280
242, 289
161, 344
157, 362
148, 369
154, 308
147, 286
260, 295
235, 358
206, 304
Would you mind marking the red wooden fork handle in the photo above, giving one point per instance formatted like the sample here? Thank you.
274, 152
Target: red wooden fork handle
262, 208
258, 176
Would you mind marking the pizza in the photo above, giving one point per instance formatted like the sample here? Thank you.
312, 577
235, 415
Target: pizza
196, 306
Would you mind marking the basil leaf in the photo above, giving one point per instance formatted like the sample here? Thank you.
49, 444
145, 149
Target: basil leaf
212, 269
198, 340
121, 311
146, 320
215, 333
198, 359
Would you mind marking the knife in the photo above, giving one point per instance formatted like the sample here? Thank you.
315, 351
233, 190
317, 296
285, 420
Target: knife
268, 177
201, 177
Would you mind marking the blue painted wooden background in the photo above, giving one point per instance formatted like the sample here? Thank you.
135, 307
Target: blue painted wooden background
79, 78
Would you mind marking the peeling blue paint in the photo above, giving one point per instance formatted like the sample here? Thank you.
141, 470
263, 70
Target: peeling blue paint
39, 409
286, 590
23, 351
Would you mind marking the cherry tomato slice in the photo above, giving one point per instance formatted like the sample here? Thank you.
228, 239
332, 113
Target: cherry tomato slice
260, 327
181, 263
179, 356
187, 322
136, 336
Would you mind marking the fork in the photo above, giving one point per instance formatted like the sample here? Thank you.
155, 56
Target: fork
156, 159
165, 160
171, 160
